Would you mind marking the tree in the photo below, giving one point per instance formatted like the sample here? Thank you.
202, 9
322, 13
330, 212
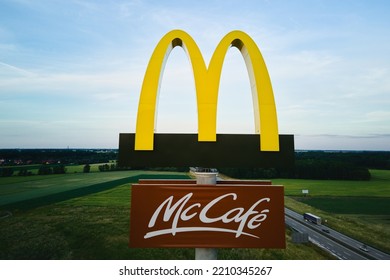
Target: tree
59, 169
6, 172
104, 167
45, 170
87, 168
23, 172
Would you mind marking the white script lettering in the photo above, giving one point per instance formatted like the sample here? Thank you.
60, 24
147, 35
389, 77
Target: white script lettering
183, 211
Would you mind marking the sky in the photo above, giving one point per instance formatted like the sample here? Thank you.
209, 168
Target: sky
71, 71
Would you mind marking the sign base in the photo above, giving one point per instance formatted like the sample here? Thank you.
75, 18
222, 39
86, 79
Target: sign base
184, 150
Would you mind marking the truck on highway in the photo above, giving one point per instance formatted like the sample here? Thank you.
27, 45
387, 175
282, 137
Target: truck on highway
312, 218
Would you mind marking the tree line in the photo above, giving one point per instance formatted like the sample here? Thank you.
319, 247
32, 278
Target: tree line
12, 157
323, 165
50, 169
25, 171
304, 169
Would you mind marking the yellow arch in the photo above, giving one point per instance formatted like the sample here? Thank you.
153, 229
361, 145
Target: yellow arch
207, 86
264, 108
151, 84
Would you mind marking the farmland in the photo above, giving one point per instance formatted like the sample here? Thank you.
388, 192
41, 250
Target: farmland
378, 186
360, 209
86, 216
21, 191
95, 224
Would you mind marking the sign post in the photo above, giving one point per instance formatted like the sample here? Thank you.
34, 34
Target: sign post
207, 214
206, 177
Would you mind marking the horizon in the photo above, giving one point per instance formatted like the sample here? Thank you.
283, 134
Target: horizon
71, 71
295, 150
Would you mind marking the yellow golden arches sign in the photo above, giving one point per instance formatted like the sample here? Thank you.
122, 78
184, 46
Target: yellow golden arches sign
207, 86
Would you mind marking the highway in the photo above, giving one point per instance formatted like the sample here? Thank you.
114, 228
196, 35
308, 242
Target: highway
336, 243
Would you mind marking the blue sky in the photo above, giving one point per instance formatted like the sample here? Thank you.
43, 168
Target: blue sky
71, 71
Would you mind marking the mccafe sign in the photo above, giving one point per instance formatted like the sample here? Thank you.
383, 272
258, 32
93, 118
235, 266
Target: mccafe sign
189, 215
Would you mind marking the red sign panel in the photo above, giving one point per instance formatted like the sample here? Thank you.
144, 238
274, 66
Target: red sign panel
207, 216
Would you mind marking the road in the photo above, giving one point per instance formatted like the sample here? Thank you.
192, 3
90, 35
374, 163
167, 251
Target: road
338, 244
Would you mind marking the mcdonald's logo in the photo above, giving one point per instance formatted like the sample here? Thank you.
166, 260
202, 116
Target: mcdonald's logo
207, 85
145, 148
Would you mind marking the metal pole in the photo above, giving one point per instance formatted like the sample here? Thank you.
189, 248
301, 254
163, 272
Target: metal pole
206, 176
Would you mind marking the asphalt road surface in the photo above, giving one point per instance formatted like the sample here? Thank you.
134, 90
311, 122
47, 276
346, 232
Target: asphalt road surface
338, 244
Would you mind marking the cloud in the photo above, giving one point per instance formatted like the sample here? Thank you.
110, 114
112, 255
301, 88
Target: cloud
10, 70
378, 116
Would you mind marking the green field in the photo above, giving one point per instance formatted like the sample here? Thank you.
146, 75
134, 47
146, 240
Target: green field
344, 197
360, 209
94, 224
97, 227
86, 216
378, 186
19, 190
350, 205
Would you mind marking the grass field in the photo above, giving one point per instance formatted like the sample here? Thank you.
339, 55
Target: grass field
360, 209
378, 186
350, 205
21, 190
86, 216
96, 226
344, 197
